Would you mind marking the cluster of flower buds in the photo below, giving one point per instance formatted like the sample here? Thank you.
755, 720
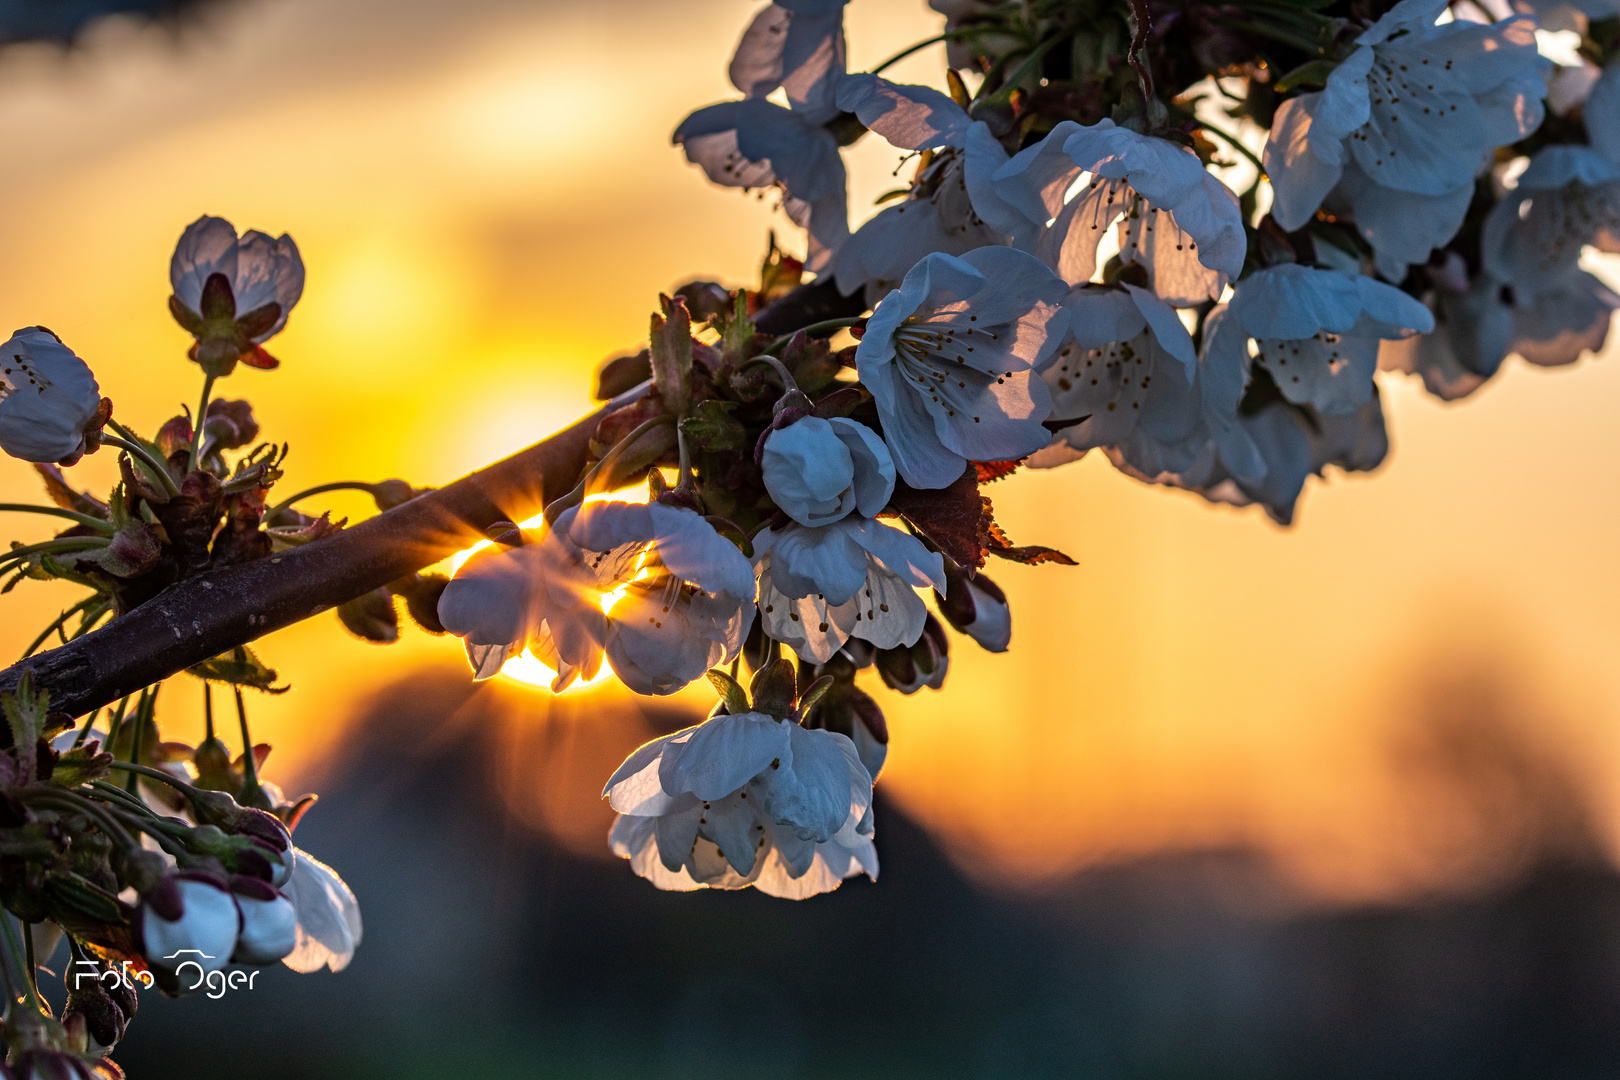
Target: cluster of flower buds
161, 863
154, 880
1066, 271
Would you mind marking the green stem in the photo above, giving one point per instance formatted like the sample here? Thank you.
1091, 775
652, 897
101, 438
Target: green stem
116, 795
91, 618
583, 488
51, 547
1035, 56
28, 951
96, 523
921, 45
115, 722
318, 489
156, 468
155, 774
208, 709
1275, 33
827, 327
197, 423
1231, 140
57, 622
135, 750
13, 951
84, 732
250, 764
63, 800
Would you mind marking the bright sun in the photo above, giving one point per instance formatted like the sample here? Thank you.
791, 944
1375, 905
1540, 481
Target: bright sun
525, 667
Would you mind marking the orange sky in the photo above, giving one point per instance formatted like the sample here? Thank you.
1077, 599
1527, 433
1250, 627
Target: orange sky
488, 205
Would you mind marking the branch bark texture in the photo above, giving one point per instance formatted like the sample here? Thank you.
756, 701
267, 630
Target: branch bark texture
213, 612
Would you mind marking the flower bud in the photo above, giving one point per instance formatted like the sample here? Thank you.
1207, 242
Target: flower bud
977, 607
48, 397
218, 808
100, 1000
187, 922
230, 424
269, 922
909, 668
818, 471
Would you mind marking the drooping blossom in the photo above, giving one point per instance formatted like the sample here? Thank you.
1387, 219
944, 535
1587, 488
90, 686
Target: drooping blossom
950, 359
48, 398
938, 214
686, 602
187, 918
818, 587
1317, 332
754, 143
1403, 126
745, 800
329, 926
1176, 219
233, 293
921, 665
269, 922
818, 471
977, 607
1122, 343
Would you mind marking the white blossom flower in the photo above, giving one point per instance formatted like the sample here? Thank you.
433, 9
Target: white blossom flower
797, 45
745, 800
329, 926
1473, 333
939, 214
949, 358
1406, 122
909, 117
1120, 343
1284, 444
1317, 332
1566, 199
187, 918
265, 279
818, 471
1567, 315
1176, 218
48, 397
686, 603
818, 587
269, 922
754, 143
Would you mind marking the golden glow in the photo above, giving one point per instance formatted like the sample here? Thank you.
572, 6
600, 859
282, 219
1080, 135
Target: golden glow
478, 237
525, 667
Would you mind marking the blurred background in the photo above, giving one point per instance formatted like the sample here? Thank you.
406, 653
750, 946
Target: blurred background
1338, 800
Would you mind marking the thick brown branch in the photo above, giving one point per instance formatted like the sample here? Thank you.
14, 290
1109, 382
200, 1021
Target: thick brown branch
218, 610
206, 615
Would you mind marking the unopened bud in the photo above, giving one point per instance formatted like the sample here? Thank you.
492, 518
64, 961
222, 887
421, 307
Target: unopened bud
775, 689
909, 668
99, 1005
371, 617
977, 607
230, 424
269, 923
186, 919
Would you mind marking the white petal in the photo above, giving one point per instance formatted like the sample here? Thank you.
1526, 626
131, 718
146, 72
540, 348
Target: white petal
724, 753
910, 117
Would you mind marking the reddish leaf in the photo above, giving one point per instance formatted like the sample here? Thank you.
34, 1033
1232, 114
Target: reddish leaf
256, 357
995, 470
949, 516
996, 543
